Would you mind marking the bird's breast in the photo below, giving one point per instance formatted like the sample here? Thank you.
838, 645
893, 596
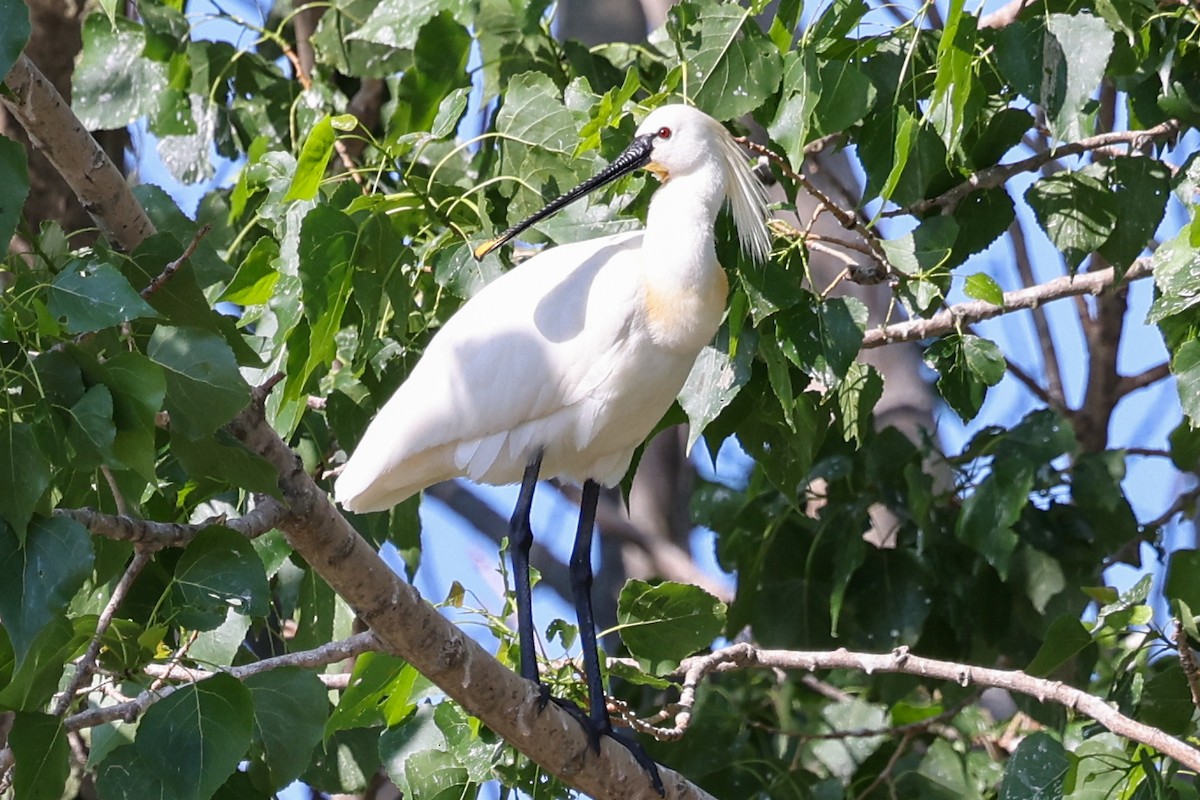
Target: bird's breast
685, 317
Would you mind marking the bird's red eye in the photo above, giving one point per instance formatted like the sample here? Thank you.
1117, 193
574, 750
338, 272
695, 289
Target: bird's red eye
664, 132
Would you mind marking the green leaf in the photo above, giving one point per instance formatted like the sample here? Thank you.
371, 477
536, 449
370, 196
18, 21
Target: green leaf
14, 173
1141, 187
538, 140
801, 85
1077, 211
1176, 267
1167, 701
92, 295
967, 365
224, 459
186, 746
13, 36
923, 255
36, 678
255, 279
857, 396
92, 431
843, 756
1185, 366
1183, 578
715, 379
138, 387
314, 158
41, 756
823, 341
290, 709
1037, 769
954, 82
218, 571
204, 387
729, 67
666, 623
24, 474
982, 286
399, 744
376, 678
1065, 637
40, 577
1086, 43
845, 95
113, 85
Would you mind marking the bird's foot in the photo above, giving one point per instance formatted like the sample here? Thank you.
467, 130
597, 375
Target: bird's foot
603, 727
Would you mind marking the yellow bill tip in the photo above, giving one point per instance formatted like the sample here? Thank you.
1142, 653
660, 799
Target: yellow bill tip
485, 248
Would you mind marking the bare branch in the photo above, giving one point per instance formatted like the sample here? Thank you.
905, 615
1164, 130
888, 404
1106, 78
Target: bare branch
170, 269
954, 317
1001, 173
87, 662
1131, 383
154, 536
1050, 366
317, 657
744, 656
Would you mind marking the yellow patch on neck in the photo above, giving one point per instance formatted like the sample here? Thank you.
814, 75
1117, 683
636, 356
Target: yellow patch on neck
686, 318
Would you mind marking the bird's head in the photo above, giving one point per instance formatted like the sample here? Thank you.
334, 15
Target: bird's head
674, 141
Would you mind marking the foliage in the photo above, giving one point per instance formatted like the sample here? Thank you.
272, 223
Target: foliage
339, 283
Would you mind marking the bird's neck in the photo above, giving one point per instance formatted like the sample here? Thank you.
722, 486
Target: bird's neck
684, 286
679, 226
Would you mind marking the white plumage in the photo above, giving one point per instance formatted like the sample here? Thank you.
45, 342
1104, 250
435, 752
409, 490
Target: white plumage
579, 351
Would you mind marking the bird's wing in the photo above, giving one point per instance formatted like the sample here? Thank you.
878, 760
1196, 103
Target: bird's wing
529, 344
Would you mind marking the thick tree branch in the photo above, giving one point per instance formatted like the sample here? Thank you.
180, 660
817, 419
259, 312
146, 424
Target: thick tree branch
744, 656
956, 316
154, 536
414, 630
59, 135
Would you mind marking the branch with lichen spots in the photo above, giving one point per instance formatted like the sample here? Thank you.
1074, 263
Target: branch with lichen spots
957, 316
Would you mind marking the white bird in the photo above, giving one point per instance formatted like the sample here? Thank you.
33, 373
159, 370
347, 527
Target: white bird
563, 366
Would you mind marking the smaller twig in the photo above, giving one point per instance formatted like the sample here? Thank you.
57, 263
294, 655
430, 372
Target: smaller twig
170, 269
86, 664
886, 772
847, 219
1032, 385
1187, 660
1001, 173
317, 657
1182, 503
1131, 383
1148, 452
153, 536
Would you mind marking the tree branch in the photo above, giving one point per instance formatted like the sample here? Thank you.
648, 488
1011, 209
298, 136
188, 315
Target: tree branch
1131, 383
411, 628
130, 710
999, 175
153, 536
59, 135
952, 318
744, 656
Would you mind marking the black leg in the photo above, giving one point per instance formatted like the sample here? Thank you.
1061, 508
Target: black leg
520, 539
581, 588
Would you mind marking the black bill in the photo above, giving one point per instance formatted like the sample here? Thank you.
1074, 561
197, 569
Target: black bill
635, 156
